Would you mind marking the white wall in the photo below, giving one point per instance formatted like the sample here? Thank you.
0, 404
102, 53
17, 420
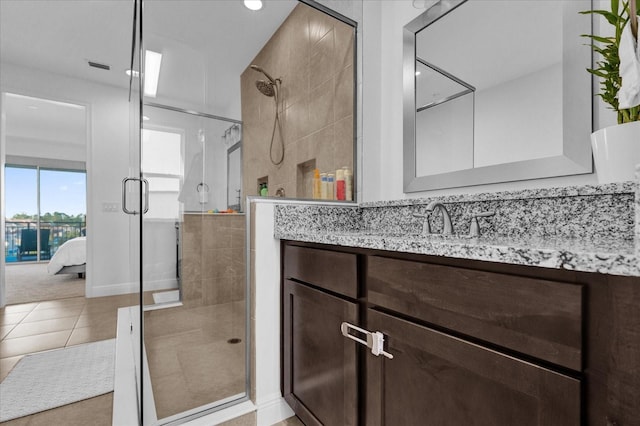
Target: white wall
28, 147
108, 251
382, 151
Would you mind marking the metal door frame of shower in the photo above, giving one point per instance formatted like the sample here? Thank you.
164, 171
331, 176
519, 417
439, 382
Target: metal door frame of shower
191, 112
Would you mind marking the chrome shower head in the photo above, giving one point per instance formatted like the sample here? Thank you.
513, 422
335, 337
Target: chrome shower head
257, 68
267, 89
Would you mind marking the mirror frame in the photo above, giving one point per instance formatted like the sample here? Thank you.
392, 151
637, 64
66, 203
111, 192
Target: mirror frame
233, 148
576, 155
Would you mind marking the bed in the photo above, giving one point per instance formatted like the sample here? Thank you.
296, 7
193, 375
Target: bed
70, 258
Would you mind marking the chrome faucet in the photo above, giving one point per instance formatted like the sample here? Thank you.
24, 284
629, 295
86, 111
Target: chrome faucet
426, 226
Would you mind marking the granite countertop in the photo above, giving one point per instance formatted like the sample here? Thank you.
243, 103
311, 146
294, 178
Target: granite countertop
589, 228
615, 256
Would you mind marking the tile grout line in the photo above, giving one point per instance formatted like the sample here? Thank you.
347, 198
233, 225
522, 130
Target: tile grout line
76, 322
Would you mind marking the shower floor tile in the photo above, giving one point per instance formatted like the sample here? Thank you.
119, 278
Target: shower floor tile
191, 362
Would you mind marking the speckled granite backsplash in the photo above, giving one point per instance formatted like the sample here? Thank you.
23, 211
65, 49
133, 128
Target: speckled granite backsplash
575, 216
584, 212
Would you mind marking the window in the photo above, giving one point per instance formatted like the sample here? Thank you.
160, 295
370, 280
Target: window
162, 167
44, 208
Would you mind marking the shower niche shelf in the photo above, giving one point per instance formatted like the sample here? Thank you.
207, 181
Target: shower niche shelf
304, 179
262, 181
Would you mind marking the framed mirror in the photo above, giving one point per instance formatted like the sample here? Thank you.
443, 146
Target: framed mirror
234, 177
496, 91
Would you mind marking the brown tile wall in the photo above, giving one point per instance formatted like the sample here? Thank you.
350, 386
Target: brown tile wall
313, 55
213, 259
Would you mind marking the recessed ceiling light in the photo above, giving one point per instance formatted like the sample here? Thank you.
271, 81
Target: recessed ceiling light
145, 118
253, 4
417, 73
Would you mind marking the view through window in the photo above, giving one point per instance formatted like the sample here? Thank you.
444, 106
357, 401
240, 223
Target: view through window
44, 208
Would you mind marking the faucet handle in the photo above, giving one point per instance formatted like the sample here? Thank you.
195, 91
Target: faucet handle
474, 227
426, 226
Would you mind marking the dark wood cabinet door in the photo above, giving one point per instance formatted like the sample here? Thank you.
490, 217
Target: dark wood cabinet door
436, 379
319, 364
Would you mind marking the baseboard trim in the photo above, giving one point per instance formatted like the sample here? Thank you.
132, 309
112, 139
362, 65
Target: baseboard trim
273, 411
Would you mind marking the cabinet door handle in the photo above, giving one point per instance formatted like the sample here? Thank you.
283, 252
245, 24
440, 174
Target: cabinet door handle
375, 339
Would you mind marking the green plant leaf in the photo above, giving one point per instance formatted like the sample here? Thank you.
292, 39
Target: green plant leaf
607, 68
600, 38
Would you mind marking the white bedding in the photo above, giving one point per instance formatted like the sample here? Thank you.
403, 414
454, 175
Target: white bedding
71, 253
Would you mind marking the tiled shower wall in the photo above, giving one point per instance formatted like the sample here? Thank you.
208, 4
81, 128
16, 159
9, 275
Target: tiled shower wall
213, 259
313, 55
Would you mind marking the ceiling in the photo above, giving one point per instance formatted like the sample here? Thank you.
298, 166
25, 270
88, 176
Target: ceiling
206, 44
61, 36
45, 120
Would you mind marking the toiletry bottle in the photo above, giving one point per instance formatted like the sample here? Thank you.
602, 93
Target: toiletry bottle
323, 186
316, 184
340, 185
264, 191
348, 184
331, 187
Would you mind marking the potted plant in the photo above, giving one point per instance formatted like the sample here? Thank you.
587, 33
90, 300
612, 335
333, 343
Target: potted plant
616, 149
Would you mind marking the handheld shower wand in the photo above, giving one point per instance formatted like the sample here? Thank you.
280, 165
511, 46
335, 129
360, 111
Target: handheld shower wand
270, 89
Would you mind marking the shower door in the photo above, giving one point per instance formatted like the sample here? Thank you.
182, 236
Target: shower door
193, 347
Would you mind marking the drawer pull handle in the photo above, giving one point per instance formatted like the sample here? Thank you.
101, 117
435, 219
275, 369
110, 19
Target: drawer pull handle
375, 340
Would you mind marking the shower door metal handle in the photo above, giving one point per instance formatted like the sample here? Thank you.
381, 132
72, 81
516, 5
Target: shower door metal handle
146, 196
124, 195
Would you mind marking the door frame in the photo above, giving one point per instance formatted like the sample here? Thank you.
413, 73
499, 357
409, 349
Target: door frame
89, 183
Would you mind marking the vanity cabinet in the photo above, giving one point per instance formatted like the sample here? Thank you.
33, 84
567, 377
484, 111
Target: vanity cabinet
473, 343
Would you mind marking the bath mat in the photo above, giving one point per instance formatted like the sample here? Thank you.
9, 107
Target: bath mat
55, 378
166, 296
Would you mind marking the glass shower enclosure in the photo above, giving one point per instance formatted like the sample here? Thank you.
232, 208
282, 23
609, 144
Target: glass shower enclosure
188, 330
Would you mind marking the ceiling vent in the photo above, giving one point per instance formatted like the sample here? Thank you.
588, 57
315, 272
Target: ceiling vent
99, 65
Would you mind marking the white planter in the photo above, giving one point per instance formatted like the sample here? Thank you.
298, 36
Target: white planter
616, 152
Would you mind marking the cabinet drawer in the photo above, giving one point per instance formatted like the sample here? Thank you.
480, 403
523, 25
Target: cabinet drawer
536, 317
437, 379
333, 271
